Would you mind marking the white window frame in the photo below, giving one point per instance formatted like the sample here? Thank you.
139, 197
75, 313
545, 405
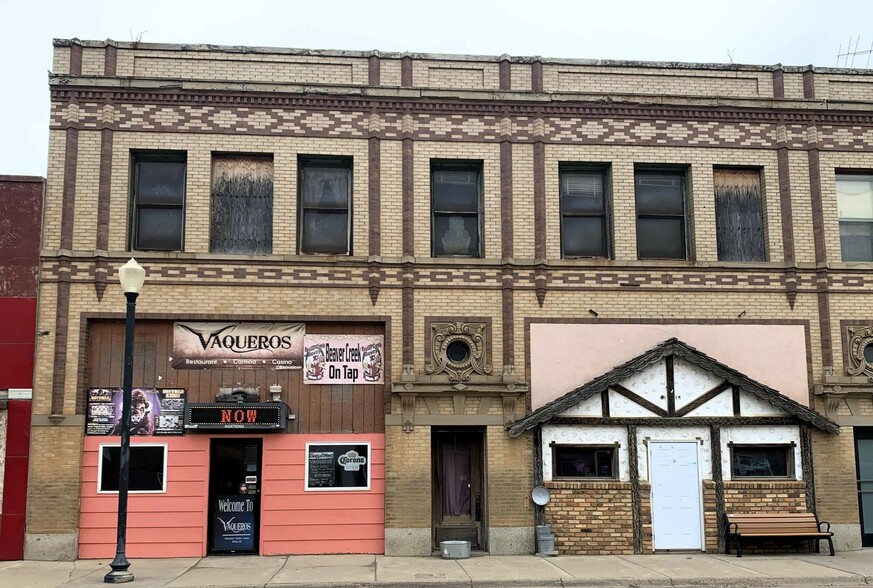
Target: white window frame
100, 468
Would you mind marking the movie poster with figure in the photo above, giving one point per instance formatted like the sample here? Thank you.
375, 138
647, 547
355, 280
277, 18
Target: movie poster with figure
153, 411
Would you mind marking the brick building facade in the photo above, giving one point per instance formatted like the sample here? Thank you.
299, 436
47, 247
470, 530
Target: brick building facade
512, 227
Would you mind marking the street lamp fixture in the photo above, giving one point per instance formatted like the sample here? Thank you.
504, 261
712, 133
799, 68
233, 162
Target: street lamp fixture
131, 275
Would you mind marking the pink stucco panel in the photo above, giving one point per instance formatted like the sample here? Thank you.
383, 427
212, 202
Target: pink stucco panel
565, 356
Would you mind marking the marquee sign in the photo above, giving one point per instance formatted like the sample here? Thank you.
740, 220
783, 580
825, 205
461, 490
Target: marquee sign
236, 417
200, 345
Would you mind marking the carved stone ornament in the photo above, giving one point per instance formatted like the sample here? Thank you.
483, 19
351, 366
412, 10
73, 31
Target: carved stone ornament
859, 339
458, 350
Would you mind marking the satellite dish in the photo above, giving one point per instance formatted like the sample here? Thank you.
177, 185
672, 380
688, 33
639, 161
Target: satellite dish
540, 495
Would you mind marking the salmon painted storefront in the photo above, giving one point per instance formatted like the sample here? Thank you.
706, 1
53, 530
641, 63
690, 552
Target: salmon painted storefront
274, 472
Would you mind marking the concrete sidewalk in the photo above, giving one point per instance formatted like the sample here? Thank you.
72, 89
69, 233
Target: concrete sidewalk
853, 568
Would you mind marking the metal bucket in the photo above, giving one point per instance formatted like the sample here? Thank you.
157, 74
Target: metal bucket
454, 549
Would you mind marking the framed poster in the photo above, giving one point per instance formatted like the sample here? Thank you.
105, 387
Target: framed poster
153, 411
337, 466
343, 359
233, 526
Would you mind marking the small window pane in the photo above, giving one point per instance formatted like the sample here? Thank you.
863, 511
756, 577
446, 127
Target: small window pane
660, 238
159, 228
583, 236
581, 192
583, 462
855, 197
455, 234
455, 196
856, 241
760, 462
325, 231
659, 194
146, 469
160, 182
325, 187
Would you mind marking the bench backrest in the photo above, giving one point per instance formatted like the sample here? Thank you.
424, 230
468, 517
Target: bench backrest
788, 522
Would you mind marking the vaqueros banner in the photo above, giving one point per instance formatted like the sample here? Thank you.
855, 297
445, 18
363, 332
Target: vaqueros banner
343, 359
237, 345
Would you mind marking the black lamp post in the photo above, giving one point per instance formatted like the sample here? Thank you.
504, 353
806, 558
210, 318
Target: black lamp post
132, 276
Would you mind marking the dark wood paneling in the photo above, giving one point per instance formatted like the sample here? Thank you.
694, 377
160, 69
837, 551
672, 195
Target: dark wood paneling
319, 408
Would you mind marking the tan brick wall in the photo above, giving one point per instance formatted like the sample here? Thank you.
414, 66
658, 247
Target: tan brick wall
829, 163
92, 61
843, 87
836, 493
509, 478
792, 84
591, 518
54, 479
463, 75
520, 74
408, 491
389, 72
61, 60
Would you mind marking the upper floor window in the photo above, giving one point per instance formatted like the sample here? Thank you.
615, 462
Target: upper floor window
325, 205
242, 204
855, 204
739, 214
661, 214
456, 204
158, 221
584, 216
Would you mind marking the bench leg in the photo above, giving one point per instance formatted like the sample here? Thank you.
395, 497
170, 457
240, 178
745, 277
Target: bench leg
739, 546
816, 545
831, 545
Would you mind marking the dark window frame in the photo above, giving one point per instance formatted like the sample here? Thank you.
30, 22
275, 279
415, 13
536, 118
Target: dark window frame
162, 475
477, 165
137, 157
603, 171
759, 172
614, 448
790, 465
841, 174
327, 162
680, 172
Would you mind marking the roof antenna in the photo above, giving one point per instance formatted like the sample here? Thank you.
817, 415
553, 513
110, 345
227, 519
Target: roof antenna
853, 53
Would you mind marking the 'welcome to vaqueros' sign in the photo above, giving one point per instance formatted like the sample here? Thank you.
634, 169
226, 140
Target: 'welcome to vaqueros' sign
199, 345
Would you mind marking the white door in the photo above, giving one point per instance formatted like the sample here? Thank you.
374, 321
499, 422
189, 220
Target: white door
675, 477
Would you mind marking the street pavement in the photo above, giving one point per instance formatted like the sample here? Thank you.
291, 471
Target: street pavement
853, 568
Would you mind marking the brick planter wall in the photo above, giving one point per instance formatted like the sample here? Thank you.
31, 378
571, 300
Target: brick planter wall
591, 518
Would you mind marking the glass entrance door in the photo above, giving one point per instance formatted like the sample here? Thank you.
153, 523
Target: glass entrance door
234, 496
864, 468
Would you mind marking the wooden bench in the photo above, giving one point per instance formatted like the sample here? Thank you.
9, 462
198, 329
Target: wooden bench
798, 525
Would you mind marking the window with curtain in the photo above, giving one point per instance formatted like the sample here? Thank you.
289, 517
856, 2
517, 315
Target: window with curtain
325, 205
456, 207
855, 206
584, 217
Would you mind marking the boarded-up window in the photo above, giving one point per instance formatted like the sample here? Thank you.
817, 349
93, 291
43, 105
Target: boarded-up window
242, 204
739, 215
325, 198
855, 204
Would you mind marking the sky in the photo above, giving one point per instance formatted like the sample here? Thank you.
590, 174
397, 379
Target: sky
791, 32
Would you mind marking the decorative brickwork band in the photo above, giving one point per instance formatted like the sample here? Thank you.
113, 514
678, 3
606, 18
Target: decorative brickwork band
110, 60
408, 180
105, 190
71, 154
536, 76
59, 377
506, 218
406, 72
809, 84
539, 169
75, 59
505, 75
785, 203
778, 89
817, 215
374, 182
374, 70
